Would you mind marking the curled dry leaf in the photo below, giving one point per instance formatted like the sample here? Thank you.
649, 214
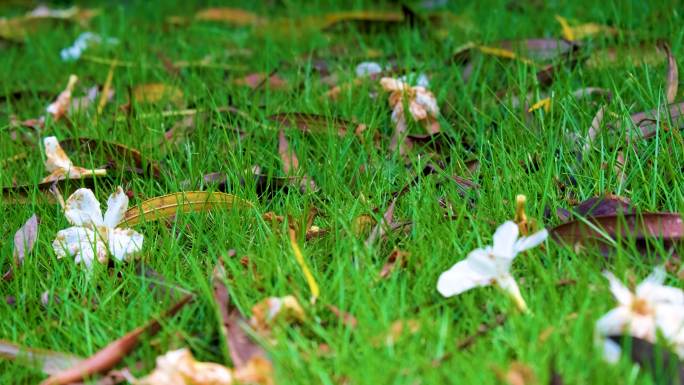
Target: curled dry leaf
605, 229
396, 258
275, 309
167, 206
60, 106
49, 362
648, 121
157, 92
672, 75
113, 353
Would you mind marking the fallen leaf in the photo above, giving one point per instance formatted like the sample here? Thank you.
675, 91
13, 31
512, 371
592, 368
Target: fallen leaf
113, 353
167, 206
49, 362
233, 16
519, 374
25, 239
666, 226
599, 206
584, 30
611, 57
289, 158
672, 75
541, 49
17, 28
396, 258
662, 364
275, 309
260, 79
241, 348
594, 129
648, 121
312, 123
157, 92
331, 19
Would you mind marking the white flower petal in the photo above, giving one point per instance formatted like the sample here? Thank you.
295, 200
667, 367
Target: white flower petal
368, 68
124, 242
611, 351
620, 292
508, 284
83, 209
643, 327
526, 243
652, 289
116, 207
56, 157
462, 277
670, 320
504, 240
614, 322
81, 243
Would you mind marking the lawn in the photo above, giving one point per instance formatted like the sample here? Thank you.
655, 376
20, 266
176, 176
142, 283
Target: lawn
214, 114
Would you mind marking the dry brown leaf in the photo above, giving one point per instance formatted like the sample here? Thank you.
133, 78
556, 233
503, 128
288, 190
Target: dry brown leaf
113, 353
17, 28
519, 374
167, 206
672, 75
60, 106
50, 362
157, 92
233, 16
259, 79
289, 158
275, 309
396, 258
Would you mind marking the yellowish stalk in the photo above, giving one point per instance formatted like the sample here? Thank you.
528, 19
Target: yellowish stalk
313, 286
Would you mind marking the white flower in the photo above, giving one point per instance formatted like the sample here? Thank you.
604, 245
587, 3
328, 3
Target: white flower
60, 166
421, 102
93, 235
652, 307
491, 265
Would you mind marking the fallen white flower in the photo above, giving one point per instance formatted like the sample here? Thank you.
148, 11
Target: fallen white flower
82, 42
60, 166
61, 105
92, 235
491, 265
651, 307
421, 102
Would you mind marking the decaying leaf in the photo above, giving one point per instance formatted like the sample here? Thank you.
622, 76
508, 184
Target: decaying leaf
157, 92
60, 106
605, 229
648, 121
113, 353
233, 16
396, 258
115, 154
249, 359
599, 206
275, 309
17, 28
25, 238
49, 362
312, 123
541, 49
260, 79
167, 206
625, 56
582, 31
672, 75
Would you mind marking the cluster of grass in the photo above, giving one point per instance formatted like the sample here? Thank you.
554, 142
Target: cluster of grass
88, 310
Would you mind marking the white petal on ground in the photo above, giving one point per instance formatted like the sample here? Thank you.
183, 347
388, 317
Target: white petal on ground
467, 274
56, 157
116, 207
81, 243
368, 68
504, 240
526, 243
611, 351
508, 284
83, 209
620, 292
124, 242
670, 320
653, 290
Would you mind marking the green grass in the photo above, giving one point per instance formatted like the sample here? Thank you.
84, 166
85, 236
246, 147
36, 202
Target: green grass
94, 309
